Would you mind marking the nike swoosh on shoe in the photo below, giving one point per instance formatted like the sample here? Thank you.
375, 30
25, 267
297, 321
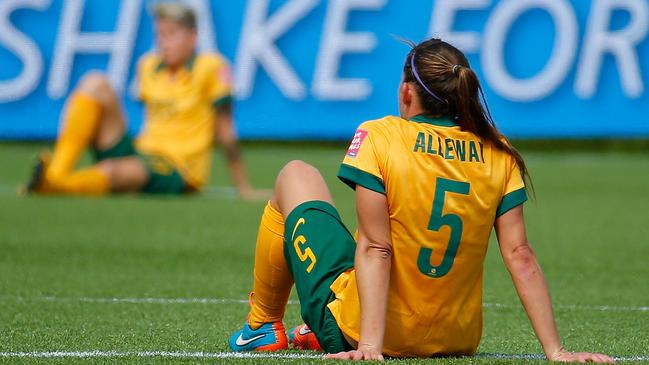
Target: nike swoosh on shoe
243, 342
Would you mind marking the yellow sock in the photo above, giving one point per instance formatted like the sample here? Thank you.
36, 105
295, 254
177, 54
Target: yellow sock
79, 127
273, 281
90, 181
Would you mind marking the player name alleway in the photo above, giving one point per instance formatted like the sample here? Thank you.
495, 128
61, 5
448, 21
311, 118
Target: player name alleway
239, 355
165, 301
450, 148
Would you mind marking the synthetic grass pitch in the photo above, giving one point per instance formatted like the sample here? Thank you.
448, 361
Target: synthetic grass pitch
150, 280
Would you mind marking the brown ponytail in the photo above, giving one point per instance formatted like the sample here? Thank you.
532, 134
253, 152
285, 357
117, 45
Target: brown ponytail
450, 87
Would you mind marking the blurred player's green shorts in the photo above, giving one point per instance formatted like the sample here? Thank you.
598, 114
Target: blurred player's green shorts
164, 178
318, 248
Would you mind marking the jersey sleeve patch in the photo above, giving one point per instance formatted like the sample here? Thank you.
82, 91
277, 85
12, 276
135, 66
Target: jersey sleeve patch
357, 142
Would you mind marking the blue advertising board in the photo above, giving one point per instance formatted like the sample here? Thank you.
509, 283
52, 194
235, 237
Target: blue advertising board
312, 69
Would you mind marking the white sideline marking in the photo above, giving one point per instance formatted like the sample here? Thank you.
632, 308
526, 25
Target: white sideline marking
599, 308
164, 354
239, 355
155, 300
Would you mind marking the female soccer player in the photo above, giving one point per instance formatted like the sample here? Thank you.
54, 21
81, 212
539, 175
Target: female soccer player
430, 185
188, 105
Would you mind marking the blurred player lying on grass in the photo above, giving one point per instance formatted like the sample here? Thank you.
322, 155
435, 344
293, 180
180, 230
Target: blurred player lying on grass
188, 104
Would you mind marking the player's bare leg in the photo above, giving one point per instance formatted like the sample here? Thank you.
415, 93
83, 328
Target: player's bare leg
296, 183
128, 174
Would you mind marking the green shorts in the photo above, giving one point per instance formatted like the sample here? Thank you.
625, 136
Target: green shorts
164, 178
318, 248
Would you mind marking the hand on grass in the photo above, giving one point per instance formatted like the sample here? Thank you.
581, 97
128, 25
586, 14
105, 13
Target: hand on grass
566, 356
363, 353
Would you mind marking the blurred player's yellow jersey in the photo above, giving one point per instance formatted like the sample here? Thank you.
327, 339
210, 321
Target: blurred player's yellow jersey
180, 112
445, 187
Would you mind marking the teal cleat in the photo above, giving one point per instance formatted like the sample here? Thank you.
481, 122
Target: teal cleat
269, 337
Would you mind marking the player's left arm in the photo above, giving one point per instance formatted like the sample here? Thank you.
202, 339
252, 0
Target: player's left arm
219, 93
532, 288
372, 263
226, 136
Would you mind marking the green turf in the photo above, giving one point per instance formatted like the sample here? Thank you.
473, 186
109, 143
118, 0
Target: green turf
589, 226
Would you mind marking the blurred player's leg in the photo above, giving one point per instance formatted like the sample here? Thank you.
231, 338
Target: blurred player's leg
92, 117
89, 181
78, 128
126, 174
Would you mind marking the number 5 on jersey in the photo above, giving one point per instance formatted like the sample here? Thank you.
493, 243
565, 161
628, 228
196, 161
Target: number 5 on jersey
437, 221
307, 253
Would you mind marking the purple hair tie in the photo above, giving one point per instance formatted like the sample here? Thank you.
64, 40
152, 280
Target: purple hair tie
414, 72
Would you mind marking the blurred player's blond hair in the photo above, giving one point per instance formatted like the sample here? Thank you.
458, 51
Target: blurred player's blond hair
176, 12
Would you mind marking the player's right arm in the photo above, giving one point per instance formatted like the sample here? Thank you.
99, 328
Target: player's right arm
532, 288
372, 263
361, 170
219, 93
227, 137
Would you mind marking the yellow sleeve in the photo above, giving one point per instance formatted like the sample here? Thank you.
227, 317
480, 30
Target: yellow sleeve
219, 83
514, 192
363, 161
143, 67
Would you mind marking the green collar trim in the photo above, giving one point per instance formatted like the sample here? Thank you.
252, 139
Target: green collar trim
444, 121
189, 65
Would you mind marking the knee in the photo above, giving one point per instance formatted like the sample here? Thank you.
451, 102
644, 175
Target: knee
295, 175
125, 174
297, 168
292, 173
109, 168
98, 86
296, 183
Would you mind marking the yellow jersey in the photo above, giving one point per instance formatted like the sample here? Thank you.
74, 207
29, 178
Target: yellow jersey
180, 112
445, 187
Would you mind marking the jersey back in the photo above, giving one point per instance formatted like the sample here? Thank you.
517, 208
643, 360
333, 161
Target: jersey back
445, 187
